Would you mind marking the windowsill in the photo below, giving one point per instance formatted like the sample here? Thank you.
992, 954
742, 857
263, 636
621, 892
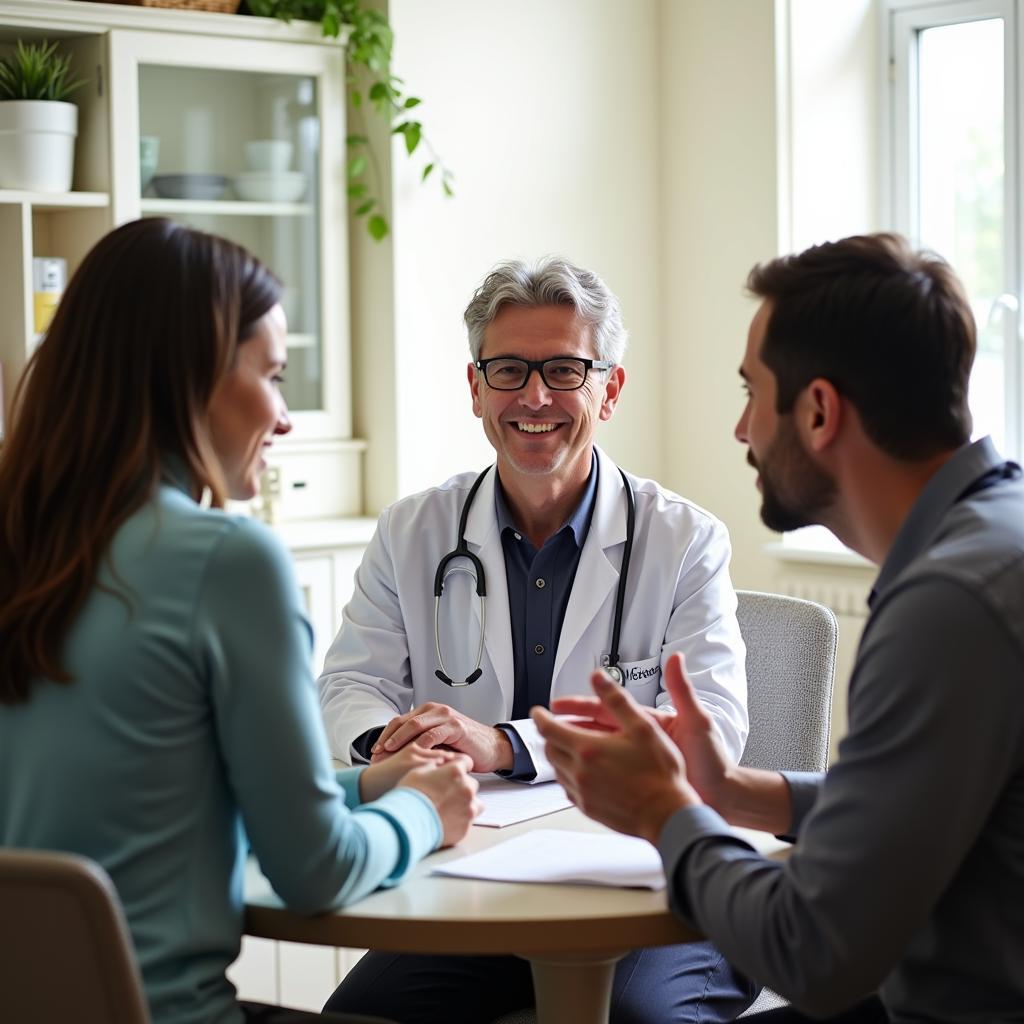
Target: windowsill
817, 556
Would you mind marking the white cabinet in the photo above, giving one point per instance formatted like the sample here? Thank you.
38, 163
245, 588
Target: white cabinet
201, 89
326, 556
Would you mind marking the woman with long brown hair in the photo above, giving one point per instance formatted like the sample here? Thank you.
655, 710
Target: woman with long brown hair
156, 698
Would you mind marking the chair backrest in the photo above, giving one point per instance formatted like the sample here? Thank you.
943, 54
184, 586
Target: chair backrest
791, 665
65, 950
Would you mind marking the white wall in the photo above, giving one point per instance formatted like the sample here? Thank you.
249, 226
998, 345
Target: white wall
548, 112
720, 218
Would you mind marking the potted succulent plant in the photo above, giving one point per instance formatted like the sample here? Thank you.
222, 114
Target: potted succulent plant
38, 125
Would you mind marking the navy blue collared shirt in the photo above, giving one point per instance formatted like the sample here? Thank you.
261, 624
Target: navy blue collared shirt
539, 584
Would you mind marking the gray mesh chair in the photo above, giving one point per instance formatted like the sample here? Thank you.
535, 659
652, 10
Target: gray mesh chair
67, 952
791, 666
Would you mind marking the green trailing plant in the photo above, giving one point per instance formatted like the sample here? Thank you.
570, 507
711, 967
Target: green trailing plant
36, 71
371, 85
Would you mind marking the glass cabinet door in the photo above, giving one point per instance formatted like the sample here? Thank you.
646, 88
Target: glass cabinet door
236, 146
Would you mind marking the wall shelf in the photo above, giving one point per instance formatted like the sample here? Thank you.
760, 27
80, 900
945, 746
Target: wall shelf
225, 208
47, 201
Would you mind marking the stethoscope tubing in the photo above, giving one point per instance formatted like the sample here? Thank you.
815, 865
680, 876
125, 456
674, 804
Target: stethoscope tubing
610, 663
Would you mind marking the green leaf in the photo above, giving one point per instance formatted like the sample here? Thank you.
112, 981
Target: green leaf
357, 191
377, 226
426, 172
411, 102
357, 140
356, 166
357, 98
364, 208
413, 134
330, 25
379, 91
447, 188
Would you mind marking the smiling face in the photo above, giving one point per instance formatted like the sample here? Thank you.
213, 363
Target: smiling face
537, 431
247, 408
795, 490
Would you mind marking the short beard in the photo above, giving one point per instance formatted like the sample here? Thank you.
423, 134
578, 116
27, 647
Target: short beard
795, 491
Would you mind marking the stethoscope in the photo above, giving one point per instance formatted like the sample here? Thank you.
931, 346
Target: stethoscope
609, 662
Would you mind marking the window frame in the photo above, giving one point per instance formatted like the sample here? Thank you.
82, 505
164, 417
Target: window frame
902, 20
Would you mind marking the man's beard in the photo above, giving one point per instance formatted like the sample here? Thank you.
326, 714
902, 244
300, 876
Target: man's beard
794, 490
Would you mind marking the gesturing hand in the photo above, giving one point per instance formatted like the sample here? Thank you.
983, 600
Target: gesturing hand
452, 792
434, 725
630, 777
691, 729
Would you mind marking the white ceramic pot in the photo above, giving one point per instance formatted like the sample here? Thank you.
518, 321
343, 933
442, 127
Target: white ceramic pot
37, 145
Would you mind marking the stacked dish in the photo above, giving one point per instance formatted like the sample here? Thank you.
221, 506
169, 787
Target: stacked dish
189, 186
270, 186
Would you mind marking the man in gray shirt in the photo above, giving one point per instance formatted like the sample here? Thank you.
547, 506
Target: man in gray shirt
903, 899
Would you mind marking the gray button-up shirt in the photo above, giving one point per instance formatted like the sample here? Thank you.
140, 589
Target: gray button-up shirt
908, 875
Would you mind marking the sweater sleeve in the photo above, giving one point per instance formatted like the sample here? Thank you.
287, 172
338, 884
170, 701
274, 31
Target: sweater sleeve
253, 645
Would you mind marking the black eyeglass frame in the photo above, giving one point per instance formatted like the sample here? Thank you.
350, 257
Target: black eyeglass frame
538, 365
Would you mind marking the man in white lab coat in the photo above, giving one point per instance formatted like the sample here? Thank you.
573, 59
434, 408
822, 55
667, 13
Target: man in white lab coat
527, 610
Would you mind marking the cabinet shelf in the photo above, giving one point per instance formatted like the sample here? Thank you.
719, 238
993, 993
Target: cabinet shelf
225, 207
45, 201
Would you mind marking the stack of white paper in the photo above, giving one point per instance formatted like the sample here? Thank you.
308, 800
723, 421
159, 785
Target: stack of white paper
506, 803
547, 855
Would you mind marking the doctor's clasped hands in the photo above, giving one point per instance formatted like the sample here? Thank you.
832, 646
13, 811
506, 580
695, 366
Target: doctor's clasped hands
433, 725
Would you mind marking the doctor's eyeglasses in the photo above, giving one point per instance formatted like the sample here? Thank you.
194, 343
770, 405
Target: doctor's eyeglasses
563, 373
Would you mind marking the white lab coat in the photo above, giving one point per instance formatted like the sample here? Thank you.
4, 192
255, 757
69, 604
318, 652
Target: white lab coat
678, 598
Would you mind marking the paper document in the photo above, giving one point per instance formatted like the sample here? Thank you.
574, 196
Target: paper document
548, 855
506, 803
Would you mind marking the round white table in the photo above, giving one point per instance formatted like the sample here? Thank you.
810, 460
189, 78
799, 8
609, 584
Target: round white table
573, 935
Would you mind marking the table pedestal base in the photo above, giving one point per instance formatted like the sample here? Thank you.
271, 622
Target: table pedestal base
574, 986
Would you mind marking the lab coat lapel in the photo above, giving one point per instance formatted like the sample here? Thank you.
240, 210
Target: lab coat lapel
484, 540
597, 575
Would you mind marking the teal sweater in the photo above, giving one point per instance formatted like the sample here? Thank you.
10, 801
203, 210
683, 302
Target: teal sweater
191, 722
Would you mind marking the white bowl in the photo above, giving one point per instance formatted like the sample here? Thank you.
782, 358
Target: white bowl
270, 186
268, 155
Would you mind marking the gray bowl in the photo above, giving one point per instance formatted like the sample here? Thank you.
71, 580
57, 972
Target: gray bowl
190, 186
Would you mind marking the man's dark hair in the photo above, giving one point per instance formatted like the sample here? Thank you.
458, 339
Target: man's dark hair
890, 328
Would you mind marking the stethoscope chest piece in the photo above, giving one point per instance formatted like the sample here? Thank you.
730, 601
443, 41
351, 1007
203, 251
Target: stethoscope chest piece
613, 672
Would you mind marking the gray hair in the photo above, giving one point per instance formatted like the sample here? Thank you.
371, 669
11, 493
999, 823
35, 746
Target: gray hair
553, 281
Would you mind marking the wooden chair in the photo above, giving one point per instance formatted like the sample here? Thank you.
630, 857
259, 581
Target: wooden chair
67, 954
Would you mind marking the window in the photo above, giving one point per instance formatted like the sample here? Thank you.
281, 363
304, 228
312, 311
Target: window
953, 137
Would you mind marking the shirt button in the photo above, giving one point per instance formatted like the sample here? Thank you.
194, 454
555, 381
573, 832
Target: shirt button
539, 584
539, 649
518, 536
